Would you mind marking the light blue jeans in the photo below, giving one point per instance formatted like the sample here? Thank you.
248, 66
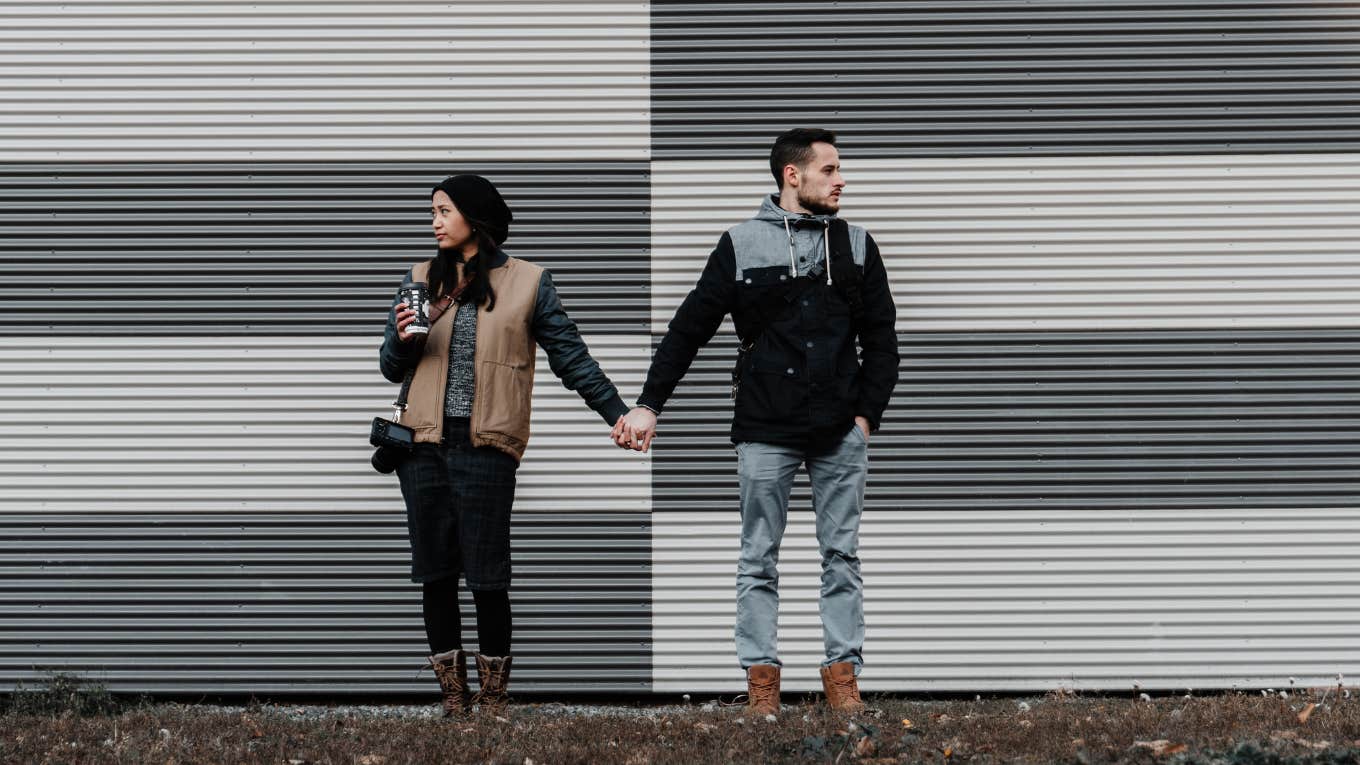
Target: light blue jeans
765, 473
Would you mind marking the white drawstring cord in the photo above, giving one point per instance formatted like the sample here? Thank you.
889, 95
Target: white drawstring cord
826, 240
793, 269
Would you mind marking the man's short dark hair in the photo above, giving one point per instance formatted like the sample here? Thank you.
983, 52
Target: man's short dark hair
794, 147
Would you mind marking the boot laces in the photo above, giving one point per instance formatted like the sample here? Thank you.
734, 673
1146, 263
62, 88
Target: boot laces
847, 686
762, 690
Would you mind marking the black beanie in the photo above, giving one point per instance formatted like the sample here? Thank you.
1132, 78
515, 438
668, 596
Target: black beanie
480, 203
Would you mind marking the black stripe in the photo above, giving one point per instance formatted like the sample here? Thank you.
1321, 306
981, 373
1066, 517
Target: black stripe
1093, 420
304, 248
235, 603
976, 79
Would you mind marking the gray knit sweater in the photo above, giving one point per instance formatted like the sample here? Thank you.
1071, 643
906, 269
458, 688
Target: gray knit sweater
462, 346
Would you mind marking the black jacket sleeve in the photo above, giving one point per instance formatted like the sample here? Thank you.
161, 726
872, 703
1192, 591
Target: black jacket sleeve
693, 325
396, 358
568, 355
879, 357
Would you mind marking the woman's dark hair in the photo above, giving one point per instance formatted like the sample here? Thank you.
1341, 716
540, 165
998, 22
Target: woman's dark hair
444, 276
489, 217
794, 147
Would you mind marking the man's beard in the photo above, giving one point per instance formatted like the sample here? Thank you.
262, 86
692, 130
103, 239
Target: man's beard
818, 207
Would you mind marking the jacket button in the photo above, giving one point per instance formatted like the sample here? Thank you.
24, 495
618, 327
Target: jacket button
810, 343
748, 280
790, 370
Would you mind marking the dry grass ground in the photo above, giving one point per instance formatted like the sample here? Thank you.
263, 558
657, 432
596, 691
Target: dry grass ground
1304, 727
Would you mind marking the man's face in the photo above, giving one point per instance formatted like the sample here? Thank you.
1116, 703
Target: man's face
819, 182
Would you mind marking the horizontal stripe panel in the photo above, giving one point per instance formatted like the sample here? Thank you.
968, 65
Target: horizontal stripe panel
233, 81
292, 248
198, 515
1003, 78
1097, 421
189, 602
1059, 243
1032, 600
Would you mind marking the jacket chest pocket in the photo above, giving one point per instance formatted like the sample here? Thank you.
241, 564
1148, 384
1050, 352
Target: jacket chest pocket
756, 284
765, 300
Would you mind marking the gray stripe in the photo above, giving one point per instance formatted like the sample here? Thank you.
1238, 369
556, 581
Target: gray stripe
302, 248
943, 78
1096, 420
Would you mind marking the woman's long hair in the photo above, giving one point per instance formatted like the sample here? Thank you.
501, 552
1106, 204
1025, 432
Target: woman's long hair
444, 274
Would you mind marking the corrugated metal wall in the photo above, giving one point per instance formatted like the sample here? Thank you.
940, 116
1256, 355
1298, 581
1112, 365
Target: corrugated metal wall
206, 209
1122, 246
1124, 444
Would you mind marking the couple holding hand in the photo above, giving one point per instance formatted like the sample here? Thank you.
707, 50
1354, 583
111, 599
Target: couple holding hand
815, 369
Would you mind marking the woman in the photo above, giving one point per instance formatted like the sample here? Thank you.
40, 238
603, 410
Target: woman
469, 407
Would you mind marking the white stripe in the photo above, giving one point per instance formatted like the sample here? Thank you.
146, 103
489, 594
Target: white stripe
1053, 243
240, 81
1033, 600
265, 424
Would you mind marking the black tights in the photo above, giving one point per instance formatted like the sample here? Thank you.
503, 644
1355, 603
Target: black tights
444, 627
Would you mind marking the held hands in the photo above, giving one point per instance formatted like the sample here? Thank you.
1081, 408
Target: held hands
635, 430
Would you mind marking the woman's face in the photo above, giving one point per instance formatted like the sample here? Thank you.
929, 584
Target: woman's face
450, 228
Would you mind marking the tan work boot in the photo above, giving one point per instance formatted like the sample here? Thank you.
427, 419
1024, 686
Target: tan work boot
762, 689
842, 691
493, 677
450, 668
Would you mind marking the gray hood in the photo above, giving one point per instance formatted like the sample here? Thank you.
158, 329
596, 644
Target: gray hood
812, 228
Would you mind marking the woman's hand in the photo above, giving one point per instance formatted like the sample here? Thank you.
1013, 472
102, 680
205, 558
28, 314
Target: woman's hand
405, 316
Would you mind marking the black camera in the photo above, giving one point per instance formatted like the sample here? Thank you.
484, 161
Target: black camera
395, 443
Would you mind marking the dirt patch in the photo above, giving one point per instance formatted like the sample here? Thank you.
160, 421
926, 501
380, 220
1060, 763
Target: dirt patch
1322, 727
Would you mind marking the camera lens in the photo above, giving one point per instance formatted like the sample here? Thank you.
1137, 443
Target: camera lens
385, 459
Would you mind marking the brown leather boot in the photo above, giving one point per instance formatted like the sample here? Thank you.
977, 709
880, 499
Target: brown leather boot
842, 691
450, 668
493, 676
762, 689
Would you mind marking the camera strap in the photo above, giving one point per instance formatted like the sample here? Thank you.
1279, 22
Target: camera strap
399, 405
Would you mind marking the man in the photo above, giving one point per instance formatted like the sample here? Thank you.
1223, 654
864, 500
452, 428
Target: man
801, 286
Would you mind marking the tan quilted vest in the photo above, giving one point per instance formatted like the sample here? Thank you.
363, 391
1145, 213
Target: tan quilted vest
504, 364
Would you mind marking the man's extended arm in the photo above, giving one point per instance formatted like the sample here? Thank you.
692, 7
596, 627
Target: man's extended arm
693, 325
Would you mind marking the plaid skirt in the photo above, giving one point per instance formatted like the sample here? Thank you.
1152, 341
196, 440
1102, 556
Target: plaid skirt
458, 500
